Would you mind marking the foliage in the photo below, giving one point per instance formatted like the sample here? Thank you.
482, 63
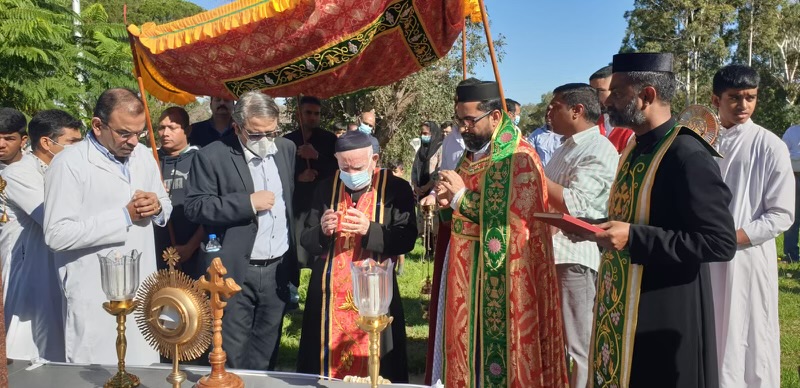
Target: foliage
705, 35
53, 58
533, 114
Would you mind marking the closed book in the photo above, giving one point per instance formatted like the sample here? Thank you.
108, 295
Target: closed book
568, 223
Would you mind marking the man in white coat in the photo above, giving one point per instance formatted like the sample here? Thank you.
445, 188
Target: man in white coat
33, 309
757, 169
103, 194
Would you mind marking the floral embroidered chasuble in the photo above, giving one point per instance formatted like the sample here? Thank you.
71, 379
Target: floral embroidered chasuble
502, 321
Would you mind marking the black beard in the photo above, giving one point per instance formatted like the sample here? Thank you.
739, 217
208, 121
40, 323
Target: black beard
474, 142
629, 117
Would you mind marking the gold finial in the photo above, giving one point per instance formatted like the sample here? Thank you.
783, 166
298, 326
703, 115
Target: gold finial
172, 257
4, 199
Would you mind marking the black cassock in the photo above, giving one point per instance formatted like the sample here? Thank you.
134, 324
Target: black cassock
690, 226
396, 236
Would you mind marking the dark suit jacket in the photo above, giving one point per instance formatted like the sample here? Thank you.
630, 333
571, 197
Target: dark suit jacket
218, 197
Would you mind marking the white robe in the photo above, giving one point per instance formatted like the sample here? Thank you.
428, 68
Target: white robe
33, 309
85, 194
757, 169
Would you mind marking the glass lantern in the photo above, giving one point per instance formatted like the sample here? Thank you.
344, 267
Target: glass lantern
372, 286
120, 274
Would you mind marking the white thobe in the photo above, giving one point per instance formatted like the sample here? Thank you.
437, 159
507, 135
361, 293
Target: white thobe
757, 169
84, 201
33, 309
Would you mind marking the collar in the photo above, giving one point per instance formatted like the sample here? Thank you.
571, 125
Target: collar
103, 150
647, 141
186, 149
734, 130
585, 135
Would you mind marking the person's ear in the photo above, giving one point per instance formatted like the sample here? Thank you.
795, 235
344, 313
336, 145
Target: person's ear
648, 95
715, 100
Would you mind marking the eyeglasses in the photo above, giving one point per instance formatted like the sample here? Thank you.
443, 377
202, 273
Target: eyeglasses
256, 136
125, 134
470, 121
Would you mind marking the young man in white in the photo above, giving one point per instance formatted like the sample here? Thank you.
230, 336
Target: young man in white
758, 171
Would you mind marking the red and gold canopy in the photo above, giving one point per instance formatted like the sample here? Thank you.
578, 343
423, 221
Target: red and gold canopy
290, 47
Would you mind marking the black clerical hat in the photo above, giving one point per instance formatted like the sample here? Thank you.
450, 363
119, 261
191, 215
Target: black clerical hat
642, 62
352, 140
485, 90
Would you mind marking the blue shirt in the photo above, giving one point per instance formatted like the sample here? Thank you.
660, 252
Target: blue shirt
546, 143
272, 238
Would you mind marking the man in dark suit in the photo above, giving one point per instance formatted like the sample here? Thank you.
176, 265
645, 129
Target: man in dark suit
240, 189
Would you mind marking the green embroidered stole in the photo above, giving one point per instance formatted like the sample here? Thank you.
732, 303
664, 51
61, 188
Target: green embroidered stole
619, 281
489, 270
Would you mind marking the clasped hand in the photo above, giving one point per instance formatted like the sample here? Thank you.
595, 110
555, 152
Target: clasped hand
354, 221
143, 205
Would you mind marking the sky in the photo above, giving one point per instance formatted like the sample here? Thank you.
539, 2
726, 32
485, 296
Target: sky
548, 42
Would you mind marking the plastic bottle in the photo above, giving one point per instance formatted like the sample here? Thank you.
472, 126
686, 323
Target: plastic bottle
213, 244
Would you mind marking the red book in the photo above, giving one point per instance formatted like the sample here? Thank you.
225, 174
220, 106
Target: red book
568, 223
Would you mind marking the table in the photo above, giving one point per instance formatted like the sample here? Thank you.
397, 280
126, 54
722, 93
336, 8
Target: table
24, 375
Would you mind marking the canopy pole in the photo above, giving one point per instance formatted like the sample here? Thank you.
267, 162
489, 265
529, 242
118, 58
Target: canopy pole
485, 18
149, 123
464, 49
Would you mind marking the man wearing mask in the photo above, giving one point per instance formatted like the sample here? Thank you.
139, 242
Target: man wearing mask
314, 163
240, 188
219, 125
514, 110
12, 140
361, 212
499, 258
618, 136
176, 160
103, 195
33, 303
427, 159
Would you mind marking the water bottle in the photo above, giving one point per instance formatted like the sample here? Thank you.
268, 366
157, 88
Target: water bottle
213, 244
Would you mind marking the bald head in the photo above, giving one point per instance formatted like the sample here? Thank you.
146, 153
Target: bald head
368, 118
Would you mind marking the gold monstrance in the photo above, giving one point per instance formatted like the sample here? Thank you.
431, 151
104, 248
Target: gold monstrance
429, 244
174, 316
702, 120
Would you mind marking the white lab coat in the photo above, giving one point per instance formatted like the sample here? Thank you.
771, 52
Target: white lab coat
85, 194
757, 169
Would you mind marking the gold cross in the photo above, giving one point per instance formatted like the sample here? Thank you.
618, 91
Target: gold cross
216, 286
172, 257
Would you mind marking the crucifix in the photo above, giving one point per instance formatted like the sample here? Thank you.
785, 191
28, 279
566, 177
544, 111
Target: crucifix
218, 288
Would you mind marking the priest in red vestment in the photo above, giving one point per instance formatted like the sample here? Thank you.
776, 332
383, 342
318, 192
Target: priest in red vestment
501, 324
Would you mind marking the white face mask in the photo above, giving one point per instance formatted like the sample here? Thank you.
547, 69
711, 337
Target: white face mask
262, 147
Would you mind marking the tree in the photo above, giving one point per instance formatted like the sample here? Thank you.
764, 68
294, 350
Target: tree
533, 114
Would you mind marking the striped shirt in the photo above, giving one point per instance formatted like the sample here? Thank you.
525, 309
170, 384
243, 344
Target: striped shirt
585, 165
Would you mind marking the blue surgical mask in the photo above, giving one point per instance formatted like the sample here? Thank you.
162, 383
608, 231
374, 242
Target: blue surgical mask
357, 180
516, 120
365, 128
425, 139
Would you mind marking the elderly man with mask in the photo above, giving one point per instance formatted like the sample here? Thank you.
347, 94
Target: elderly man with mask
361, 212
240, 189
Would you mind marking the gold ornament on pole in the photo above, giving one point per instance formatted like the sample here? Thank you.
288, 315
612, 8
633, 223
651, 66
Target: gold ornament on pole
120, 278
218, 288
372, 295
702, 120
174, 316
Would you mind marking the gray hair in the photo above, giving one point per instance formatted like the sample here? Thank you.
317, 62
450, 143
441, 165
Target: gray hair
255, 104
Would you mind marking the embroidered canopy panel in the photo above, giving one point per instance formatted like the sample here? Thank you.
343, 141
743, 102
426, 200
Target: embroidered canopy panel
290, 47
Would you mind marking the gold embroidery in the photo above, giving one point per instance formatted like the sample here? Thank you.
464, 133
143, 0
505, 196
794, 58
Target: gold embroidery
348, 303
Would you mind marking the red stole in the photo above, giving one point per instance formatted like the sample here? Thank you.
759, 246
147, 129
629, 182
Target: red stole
345, 347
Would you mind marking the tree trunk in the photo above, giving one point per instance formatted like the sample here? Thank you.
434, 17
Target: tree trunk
752, 33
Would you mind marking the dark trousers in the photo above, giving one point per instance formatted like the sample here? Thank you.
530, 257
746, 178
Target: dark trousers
251, 326
790, 248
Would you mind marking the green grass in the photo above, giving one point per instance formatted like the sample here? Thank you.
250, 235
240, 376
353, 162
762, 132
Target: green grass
417, 328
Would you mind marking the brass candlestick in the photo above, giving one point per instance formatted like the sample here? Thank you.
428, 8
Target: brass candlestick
174, 316
121, 309
217, 288
120, 278
429, 243
372, 295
